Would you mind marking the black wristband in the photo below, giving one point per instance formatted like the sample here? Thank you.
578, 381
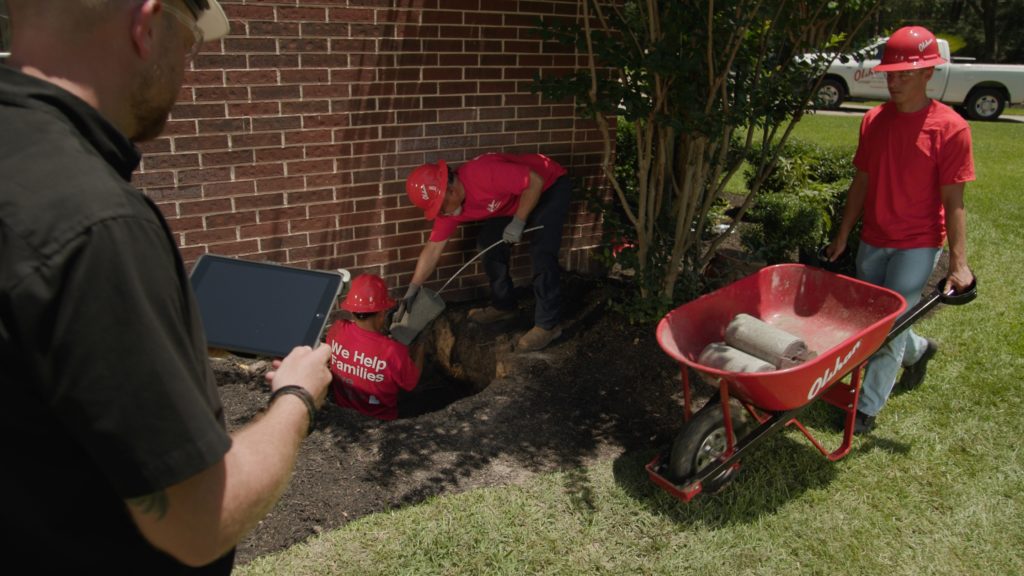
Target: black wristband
306, 398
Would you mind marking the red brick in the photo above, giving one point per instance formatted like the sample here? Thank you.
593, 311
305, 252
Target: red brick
310, 167
156, 146
251, 77
330, 179
255, 140
438, 102
402, 131
201, 207
305, 76
258, 201
208, 236
328, 151
276, 123
306, 107
310, 252
310, 196
284, 240
325, 120
260, 171
204, 175
283, 213
459, 114
160, 161
211, 61
236, 45
373, 147
147, 179
273, 61
181, 225
235, 188
273, 29
314, 224
325, 91
222, 93
280, 184
249, 109
302, 14
458, 60
227, 158
267, 230
230, 219
279, 154
224, 125
330, 209
204, 78
351, 15
308, 136
179, 127
235, 248
288, 92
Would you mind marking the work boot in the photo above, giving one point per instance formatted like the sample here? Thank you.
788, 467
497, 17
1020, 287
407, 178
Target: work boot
537, 338
490, 315
862, 423
913, 375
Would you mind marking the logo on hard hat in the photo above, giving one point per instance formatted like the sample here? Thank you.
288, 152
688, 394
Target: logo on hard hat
423, 191
925, 44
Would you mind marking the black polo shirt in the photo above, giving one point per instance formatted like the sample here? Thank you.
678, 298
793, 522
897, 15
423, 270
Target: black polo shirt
108, 393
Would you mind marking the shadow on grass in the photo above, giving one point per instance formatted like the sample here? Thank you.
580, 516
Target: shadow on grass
773, 473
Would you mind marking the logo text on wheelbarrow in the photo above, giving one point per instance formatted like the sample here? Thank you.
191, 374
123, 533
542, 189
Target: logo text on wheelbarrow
830, 373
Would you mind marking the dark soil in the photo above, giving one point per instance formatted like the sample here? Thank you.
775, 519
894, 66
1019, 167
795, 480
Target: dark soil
603, 388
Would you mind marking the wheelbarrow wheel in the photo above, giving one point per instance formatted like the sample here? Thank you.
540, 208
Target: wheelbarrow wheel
702, 441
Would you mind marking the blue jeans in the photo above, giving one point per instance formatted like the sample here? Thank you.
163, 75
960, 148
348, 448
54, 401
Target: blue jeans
906, 272
545, 243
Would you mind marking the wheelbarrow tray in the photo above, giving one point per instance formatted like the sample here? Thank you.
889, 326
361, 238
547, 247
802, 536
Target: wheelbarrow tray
843, 319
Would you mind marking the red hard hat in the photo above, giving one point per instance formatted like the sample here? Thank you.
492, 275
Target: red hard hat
368, 293
426, 187
910, 48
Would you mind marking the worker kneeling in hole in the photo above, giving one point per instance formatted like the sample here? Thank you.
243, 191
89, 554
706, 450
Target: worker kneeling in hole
507, 192
369, 369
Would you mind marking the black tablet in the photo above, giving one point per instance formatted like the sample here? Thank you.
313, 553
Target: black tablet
262, 308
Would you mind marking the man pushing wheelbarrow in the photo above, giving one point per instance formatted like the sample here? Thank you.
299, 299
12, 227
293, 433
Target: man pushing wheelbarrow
913, 160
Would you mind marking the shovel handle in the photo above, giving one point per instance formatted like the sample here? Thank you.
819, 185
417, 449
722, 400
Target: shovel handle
481, 253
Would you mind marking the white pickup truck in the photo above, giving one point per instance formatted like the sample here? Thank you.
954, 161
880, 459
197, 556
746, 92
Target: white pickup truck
982, 90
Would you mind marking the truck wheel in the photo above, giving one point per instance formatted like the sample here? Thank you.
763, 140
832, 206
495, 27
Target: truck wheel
830, 94
985, 104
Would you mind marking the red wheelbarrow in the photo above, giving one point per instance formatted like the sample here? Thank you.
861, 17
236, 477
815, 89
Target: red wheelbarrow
843, 319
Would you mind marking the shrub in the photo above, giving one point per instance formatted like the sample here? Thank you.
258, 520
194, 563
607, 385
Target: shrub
800, 202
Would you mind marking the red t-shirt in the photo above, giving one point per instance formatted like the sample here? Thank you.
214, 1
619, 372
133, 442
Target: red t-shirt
368, 369
493, 184
907, 158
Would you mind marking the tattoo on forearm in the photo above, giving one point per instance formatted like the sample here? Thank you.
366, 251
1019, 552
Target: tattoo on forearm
154, 504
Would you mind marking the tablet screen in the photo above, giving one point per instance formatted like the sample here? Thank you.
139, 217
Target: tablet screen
262, 308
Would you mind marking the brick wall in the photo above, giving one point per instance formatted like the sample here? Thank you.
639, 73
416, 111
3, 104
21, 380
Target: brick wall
293, 136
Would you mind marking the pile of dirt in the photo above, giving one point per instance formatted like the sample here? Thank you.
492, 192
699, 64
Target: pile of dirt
603, 388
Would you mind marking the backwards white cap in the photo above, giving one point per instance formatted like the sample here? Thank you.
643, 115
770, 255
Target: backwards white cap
212, 20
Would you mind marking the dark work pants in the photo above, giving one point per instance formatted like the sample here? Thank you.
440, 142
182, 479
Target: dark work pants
550, 212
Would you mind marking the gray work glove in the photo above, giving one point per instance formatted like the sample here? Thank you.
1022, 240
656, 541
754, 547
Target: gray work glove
407, 300
514, 231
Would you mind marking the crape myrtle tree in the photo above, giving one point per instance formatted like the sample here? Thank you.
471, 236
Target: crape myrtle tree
703, 85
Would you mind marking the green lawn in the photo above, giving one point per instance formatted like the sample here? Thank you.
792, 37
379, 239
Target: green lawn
938, 489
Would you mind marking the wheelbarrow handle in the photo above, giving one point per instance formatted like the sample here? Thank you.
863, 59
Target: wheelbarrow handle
950, 297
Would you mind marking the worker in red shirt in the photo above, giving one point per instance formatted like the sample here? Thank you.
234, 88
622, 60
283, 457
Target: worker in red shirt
508, 192
913, 162
371, 372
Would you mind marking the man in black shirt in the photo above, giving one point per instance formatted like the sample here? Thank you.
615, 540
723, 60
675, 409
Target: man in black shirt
117, 456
